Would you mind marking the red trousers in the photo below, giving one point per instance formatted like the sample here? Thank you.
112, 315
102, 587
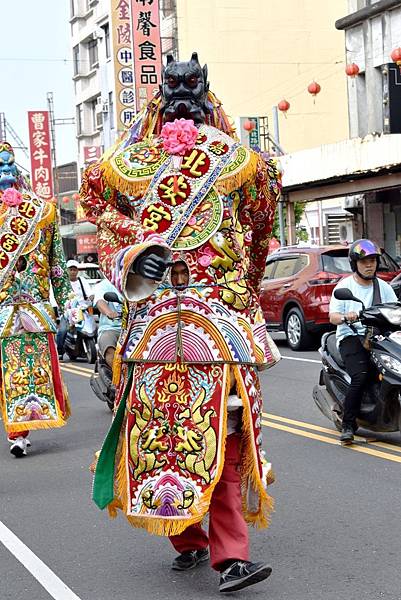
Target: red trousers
228, 531
15, 434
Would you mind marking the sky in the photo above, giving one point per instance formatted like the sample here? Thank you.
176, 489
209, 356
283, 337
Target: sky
36, 58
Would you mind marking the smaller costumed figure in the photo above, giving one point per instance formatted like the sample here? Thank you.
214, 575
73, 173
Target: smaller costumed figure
32, 394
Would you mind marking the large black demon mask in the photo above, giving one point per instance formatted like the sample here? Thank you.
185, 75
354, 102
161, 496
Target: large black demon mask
184, 90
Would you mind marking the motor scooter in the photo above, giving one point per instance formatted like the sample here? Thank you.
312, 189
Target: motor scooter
101, 379
381, 399
80, 340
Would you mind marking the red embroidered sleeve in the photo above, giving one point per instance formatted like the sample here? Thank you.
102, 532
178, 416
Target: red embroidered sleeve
262, 196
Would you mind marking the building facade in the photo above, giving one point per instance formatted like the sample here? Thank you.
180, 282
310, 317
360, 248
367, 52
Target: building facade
372, 31
263, 51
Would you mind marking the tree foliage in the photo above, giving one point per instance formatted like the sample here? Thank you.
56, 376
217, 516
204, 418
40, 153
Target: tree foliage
301, 233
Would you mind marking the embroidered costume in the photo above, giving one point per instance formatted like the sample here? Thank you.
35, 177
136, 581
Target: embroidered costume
31, 257
209, 208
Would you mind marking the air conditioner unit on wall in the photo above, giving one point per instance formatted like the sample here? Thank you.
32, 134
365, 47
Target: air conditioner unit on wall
353, 201
339, 228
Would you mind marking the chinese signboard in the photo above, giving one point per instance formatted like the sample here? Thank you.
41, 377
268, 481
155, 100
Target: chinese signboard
41, 162
80, 213
250, 138
123, 60
146, 46
86, 244
254, 139
91, 154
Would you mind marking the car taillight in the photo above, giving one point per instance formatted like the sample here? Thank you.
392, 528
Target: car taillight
322, 277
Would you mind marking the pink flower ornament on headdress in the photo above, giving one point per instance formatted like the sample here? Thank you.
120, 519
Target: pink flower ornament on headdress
11, 197
179, 136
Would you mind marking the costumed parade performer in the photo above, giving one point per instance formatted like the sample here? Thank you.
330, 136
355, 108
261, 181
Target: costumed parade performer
184, 214
31, 257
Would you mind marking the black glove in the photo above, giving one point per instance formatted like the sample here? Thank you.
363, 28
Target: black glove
150, 266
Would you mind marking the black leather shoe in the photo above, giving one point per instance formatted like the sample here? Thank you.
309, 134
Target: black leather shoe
347, 435
190, 560
241, 574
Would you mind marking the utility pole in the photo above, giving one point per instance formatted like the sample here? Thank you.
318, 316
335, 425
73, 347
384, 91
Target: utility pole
277, 147
5, 127
50, 106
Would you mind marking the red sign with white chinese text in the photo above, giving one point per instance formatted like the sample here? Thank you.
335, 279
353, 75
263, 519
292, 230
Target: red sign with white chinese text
145, 27
86, 244
41, 160
91, 154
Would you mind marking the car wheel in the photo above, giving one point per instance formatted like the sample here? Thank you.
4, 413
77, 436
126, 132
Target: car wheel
295, 330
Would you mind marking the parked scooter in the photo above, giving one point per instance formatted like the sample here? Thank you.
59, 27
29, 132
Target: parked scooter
80, 341
381, 400
101, 379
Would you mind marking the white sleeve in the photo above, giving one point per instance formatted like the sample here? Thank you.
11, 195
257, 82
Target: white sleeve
336, 306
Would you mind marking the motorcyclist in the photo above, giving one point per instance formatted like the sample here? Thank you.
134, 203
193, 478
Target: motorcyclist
364, 256
109, 322
83, 293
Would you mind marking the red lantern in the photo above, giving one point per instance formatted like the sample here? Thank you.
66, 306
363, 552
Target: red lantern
396, 56
249, 125
76, 197
66, 199
283, 105
352, 70
314, 88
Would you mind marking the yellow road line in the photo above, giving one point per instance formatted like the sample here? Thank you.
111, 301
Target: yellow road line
81, 373
334, 441
300, 423
76, 368
333, 432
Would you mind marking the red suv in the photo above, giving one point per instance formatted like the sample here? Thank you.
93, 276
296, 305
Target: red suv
297, 287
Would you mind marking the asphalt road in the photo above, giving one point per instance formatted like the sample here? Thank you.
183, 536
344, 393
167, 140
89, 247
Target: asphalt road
335, 533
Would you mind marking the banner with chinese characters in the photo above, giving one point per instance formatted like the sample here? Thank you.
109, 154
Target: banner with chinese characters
146, 46
122, 56
91, 154
41, 159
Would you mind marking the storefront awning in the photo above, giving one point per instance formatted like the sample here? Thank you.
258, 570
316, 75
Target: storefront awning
343, 169
74, 229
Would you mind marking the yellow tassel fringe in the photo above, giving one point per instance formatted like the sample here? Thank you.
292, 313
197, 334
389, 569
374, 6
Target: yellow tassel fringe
249, 467
117, 365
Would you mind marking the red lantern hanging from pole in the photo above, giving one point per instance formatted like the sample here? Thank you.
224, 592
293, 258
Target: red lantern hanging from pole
314, 89
396, 56
352, 70
249, 125
283, 106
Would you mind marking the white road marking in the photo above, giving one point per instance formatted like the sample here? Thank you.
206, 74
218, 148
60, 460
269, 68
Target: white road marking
45, 576
311, 360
